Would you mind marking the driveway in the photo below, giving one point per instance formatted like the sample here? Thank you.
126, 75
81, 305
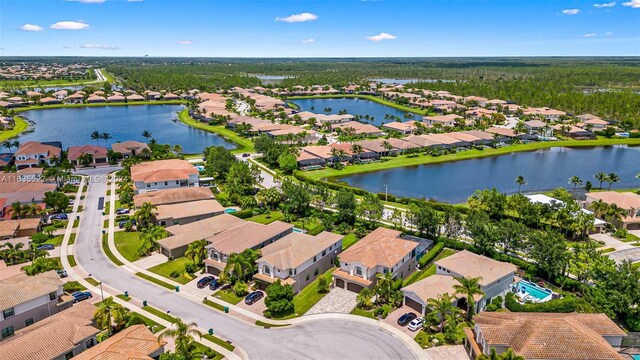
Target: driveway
392, 319
257, 307
448, 352
612, 242
317, 339
632, 254
338, 300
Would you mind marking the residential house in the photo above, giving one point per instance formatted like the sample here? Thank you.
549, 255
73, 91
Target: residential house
537, 127
187, 212
307, 161
98, 154
75, 98
116, 97
171, 96
298, 259
534, 336
495, 280
476, 99
152, 95
58, 337
598, 224
358, 128
25, 300
164, 174
319, 151
447, 141
12, 189
60, 94
405, 128
135, 342
546, 113
16, 228
402, 145
33, 153
480, 113
575, 132
443, 120
135, 97
130, 148
628, 201
95, 99
49, 101
381, 147
422, 141
382, 251
173, 196
485, 137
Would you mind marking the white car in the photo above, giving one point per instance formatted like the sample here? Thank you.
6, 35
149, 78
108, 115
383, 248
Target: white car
416, 324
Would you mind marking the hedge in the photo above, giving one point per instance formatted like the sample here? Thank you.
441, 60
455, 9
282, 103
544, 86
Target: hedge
566, 304
432, 254
243, 214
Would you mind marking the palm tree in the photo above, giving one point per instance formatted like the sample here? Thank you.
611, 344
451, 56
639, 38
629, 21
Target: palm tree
237, 265
363, 299
387, 146
612, 178
147, 135
17, 210
575, 181
196, 251
16, 144
601, 177
468, 287
509, 355
177, 148
183, 335
145, 216
150, 238
599, 207
441, 307
520, 180
357, 149
492, 355
7, 144
615, 213
110, 313
384, 286
106, 136
96, 136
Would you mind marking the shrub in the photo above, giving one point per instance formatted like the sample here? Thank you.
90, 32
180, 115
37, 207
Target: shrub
621, 233
633, 321
174, 274
323, 285
432, 254
72, 286
243, 214
39, 238
496, 304
190, 268
566, 304
240, 288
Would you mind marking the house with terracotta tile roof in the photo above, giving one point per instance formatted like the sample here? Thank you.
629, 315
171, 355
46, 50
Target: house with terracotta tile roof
537, 127
13, 189
628, 201
382, 251
60, 94
406, 128
187, 212
135, 97
98, 154
546, 113
133, 343
444, 120
358, 128
75, 98
25, 300
297, 259
130, 148
173, 196
594, 123
116, 98
495, 280
164, 174
58, 337
95, 99
49, 101
536, 336
33, 153
307, 160
476, 99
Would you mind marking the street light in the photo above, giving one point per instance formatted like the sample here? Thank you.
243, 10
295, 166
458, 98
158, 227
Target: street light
386, 191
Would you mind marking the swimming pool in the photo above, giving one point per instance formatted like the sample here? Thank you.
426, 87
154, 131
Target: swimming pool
529, 291
230, 210
299, 230
200, 168
635, 357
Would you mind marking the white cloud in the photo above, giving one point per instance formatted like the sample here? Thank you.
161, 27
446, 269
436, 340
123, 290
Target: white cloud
609, 33
589, 35
633, 3
605, 5
88, 1
30, 27
295, 18
570, 11
135, 0
308, 41
99, 46
184, 42
69, 25
381, 36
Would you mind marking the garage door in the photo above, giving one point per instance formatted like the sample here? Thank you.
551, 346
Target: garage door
340, 283
213, 270
413, 304
354, 287
633, 227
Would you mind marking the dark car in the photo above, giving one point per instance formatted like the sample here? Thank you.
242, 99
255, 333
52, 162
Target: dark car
214, 284
253, 297
122, 223
122, 211
205, 281
58, 217
406, 318
46, 247
62, 273
81, 295
246, 155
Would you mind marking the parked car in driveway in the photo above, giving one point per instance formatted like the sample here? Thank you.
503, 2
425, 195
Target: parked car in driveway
253, 297
416, 324
46, 247
122, 224
62, 273
81, 295
214, 284
58, 217
205, 281
406, 318
246, 155
122, 211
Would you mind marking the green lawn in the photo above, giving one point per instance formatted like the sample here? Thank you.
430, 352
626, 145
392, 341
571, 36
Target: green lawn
107, 251
309, 296
128, 244
105, 224
174, 265
267, 218
123, 297
362, 312
21, 125
404, 160
210, 353
267, 325
76, 222
92, 281
107, 206
72, 239
214, 305
431, 270
349, 240
155, 281
159, 313
71, 260
216, 340
228, 296
244, 145
155, 327
55, 241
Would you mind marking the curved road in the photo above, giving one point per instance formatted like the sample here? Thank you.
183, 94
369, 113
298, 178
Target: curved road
319, 339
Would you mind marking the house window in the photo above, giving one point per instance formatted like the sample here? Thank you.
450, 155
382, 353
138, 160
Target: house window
385, 270
177, 182
68, 355
316, 272
307, 277
52, 296
358, 270
290, 272
89, 343
324, 252
8, 313
166, 183
413, 253
148, 185
314, 258
8, 331
28, 322
266, 270
214, 256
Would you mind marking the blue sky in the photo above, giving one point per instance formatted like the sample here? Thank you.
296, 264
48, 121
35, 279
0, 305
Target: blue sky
339, 28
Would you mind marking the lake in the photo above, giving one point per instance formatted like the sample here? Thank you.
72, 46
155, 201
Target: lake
353, 107
73, 126
546, 169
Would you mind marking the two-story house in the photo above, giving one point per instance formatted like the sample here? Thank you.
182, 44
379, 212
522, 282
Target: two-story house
58, 337
297, 259
628, 201
25, 300
381, 251
131, 148
33, 153
164, 174
495, 280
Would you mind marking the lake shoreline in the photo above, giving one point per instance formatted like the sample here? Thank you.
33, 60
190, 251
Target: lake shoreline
364, 97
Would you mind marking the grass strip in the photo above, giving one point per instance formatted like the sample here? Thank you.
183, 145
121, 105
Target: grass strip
123, 297
155, 327
228, 296
92, 281
269, 325
72, 239
216, 340
155, 281
107, 251
365, 313
159, 313
244, 145
214, 305
76, 222
71, 260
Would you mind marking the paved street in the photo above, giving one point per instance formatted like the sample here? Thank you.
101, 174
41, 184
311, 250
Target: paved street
336, 338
